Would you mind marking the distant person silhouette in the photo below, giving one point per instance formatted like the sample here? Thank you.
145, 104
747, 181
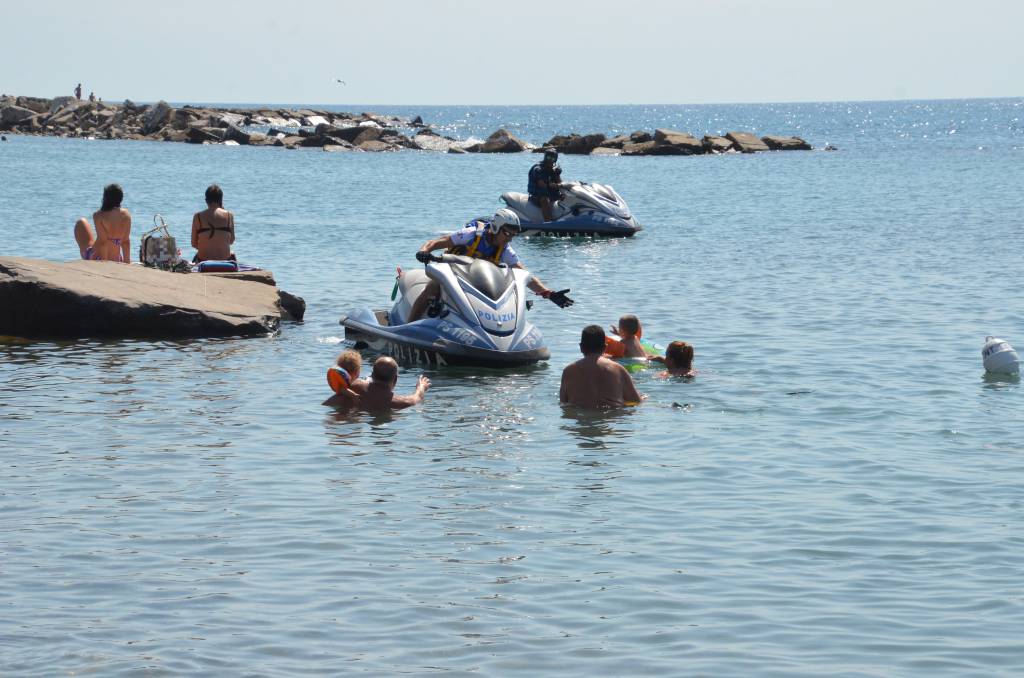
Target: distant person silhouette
78, 92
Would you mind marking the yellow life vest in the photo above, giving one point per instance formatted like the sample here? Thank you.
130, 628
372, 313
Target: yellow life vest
472, 249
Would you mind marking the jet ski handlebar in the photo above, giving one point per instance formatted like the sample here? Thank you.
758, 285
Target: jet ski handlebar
445, 258
424, 257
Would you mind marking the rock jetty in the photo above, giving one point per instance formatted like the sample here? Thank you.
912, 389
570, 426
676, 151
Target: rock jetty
290, 128
333, 131
44, 299
672, 142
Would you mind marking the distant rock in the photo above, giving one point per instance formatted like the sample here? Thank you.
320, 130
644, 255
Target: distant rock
15, 115
58, 103
672, 142
367, 134
502, 141
237, 135
746, 142
575, 144
156, 117
616, 142
716, 144
43, 299
227, 119
776, 143
641, 148
34, 104
198, 135
606, 150
289, 142
349, 134
314, 120
429, 141
374, 146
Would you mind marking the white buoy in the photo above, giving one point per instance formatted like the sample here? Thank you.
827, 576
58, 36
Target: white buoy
998, 356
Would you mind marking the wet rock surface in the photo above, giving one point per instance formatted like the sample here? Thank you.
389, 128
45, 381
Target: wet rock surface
45, 299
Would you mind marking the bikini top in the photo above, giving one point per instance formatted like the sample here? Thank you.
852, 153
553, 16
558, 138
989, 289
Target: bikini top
213, 229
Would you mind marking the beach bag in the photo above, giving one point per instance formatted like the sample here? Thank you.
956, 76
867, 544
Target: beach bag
158, 248
217, 266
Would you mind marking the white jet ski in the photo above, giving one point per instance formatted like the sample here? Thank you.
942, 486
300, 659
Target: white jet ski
480, 319
584, 209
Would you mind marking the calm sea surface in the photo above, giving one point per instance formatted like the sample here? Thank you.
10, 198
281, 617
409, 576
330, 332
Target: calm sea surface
840, 491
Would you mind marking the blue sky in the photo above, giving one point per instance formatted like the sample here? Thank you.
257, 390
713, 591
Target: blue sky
523, 52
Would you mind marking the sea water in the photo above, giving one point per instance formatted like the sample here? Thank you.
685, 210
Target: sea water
838, 492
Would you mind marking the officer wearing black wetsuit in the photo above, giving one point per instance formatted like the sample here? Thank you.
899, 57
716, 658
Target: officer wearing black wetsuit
545, 179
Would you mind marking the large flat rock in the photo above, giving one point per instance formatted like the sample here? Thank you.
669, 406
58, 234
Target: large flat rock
746, 142
45, 299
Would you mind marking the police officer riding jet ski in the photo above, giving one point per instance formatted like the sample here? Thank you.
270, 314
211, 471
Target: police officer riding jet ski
554, 207
466, 307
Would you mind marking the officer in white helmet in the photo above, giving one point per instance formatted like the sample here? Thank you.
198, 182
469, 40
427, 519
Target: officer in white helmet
484, 239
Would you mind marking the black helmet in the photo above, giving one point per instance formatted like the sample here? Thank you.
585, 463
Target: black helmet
551, 153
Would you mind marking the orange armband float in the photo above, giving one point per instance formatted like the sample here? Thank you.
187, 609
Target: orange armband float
338, 378
614, 348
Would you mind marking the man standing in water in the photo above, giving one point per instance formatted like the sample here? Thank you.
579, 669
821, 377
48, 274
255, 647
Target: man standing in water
380, 394
545, 180
594, 381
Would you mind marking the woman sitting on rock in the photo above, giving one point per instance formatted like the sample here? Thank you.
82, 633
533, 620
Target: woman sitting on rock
110, 239
213, 229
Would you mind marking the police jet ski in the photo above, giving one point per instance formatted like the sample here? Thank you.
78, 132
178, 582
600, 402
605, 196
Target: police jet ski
480, 319
584, 209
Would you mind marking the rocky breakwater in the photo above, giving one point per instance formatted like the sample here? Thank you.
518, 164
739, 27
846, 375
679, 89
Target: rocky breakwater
672, 142
290, 128
44, 299
331, 131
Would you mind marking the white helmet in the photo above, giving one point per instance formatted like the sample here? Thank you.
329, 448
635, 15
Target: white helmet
504, 217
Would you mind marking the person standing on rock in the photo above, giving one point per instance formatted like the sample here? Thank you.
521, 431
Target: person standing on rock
545, 181
109, 241
78, 92
92, 96
213, 229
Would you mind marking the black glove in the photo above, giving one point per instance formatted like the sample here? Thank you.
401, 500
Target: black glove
423, 257
560, 299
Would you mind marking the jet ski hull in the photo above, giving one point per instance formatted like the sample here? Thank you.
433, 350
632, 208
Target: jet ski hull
585, 210
434, 341
584, 225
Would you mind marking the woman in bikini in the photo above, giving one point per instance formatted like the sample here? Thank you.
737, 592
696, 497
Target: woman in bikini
109, 241
213, 229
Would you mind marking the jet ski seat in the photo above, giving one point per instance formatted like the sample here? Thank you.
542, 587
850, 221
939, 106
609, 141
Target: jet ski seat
411, 286
520, 202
